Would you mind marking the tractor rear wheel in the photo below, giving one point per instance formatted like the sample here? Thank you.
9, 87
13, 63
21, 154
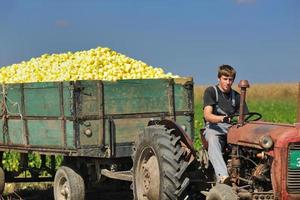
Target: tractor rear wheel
221, 192
159, 166
68, 185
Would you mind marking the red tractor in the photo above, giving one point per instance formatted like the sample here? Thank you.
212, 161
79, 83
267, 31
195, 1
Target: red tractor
263, 159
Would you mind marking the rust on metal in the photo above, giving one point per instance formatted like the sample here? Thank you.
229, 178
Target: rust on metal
250, 134
243, 84
94, 151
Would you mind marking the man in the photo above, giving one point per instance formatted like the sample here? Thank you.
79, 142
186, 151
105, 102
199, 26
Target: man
220, 102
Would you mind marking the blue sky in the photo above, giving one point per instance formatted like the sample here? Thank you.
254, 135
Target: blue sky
260, 38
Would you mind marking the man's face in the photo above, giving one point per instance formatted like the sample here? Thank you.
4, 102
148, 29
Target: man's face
225, 83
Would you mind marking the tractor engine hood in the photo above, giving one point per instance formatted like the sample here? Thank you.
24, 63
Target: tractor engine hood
253, 134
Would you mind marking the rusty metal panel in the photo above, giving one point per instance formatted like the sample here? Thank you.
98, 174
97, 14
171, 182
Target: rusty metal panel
136, 96
251, 133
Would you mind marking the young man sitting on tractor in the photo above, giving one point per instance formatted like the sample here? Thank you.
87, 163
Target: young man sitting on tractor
219, 103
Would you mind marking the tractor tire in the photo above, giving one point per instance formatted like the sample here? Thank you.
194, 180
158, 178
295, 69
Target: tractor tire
68, 185
221, 192
159, 166
2, 180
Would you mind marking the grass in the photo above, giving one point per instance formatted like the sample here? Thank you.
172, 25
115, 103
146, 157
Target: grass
276, 102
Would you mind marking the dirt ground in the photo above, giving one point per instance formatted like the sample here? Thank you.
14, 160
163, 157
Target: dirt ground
114, 190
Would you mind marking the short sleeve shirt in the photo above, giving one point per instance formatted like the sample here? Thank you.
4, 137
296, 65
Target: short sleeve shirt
224, 101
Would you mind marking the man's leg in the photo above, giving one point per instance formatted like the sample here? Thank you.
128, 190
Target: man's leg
215, 153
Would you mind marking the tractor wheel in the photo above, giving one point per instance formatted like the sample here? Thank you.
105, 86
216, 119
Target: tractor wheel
68, 185
221, 192
159, 166
2, 180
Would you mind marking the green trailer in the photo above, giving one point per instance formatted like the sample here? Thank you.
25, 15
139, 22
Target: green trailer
97, 126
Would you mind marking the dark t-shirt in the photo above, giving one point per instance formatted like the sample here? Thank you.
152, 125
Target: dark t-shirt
224, 101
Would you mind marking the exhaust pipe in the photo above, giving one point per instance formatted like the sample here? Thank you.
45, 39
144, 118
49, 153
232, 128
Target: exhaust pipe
243, 84
298, 114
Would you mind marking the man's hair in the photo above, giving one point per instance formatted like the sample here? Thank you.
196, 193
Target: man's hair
226, 70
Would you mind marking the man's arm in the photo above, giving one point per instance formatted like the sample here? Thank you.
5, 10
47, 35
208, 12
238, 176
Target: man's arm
210, 117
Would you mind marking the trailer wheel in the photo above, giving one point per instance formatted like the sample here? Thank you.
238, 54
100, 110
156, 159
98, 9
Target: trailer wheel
2, 180
221, 192
159, 166
68, 185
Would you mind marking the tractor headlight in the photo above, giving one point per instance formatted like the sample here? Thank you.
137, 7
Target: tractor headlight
266, 142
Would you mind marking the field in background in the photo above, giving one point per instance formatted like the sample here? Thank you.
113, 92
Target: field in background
276, 103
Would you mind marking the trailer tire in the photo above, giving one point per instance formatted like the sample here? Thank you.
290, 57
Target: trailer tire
159, 166
68, 185
2, 180
221, 192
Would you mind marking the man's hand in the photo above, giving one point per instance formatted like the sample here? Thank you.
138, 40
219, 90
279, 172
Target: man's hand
226, 119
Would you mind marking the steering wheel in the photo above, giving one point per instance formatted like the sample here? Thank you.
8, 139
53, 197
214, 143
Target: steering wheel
250, 116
